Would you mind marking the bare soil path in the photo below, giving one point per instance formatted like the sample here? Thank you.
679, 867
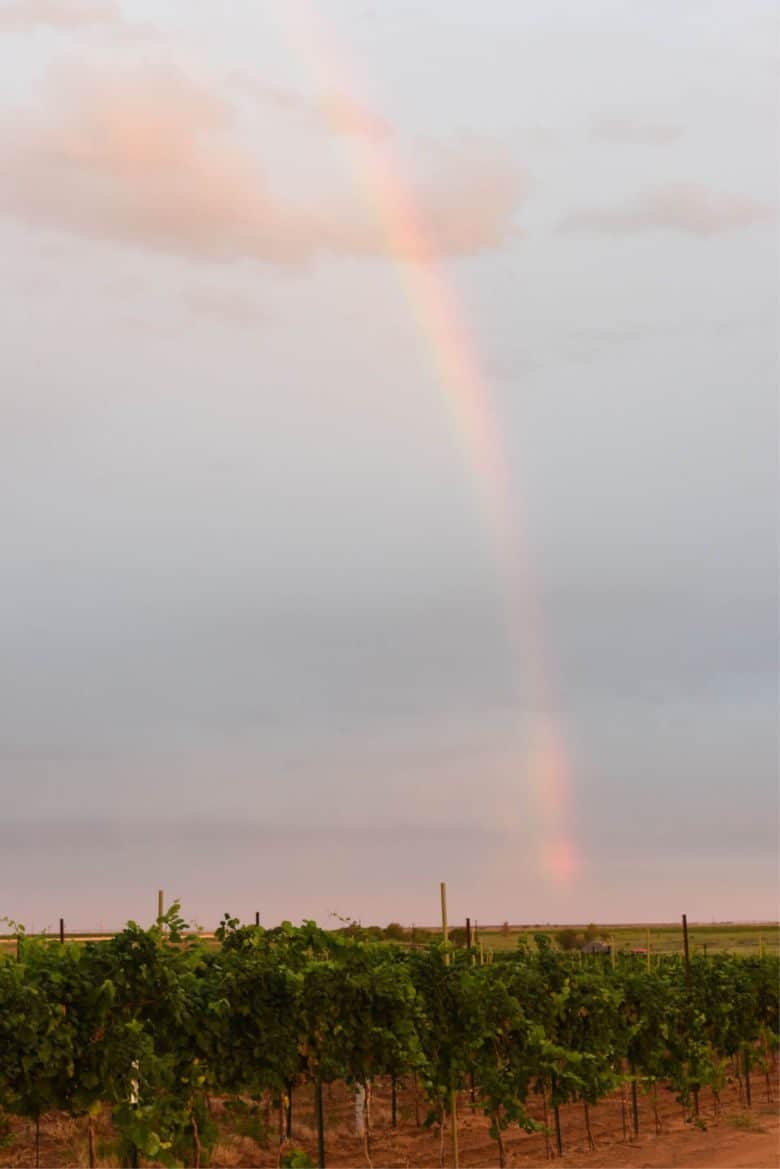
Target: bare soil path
733, 1138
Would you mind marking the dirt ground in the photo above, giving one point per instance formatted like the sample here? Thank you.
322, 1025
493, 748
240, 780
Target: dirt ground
733, 1137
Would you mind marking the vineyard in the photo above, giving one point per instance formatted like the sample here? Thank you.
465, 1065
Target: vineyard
175, 1040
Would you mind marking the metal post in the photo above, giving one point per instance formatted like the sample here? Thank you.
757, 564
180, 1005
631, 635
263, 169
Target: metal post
257, 917
685, 945
62, 930
160, 901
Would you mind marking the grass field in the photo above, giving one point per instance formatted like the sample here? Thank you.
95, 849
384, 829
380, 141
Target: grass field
665, 938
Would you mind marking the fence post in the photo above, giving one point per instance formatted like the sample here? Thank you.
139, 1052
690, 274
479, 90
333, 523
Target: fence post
444, 930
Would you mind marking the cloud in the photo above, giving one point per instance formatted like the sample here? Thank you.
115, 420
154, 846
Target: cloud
64, 15
150, 159
108, 833
691, 209
470, 195
340, 113
59, 13
232, 308
634, 132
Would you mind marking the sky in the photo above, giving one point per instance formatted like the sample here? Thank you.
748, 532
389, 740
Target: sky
388, 444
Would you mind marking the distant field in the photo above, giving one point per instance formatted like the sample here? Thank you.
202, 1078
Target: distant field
664, 938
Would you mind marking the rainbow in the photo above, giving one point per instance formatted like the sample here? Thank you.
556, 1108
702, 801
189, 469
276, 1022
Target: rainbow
455, 358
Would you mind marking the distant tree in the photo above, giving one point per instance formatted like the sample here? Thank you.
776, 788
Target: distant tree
568, 939
395, 932
421, 935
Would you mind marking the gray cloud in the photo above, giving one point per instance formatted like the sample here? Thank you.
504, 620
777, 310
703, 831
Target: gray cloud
233, 308
253, 615
338, 112
633, 131
687, 208
108, 833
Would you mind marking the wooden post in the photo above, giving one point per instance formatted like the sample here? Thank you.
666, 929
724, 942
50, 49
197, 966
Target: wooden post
257, 917
360, 1110
444, 930
468, 933
320, 1123
685, 946
160, 901
62, 930
454, 1122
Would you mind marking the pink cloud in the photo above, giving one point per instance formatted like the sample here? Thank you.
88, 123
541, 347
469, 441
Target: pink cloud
59, 13
68, 15
150, 159
348, 117
471, 196
150, 162
691, 209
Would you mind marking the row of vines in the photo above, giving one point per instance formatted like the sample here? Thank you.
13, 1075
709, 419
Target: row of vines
156, 1026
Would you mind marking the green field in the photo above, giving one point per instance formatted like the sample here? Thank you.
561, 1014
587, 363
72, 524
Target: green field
664, 938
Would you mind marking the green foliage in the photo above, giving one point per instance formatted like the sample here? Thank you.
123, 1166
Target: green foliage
295, 1159
153, 1023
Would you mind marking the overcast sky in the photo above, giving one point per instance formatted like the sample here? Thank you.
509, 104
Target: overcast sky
256, 640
